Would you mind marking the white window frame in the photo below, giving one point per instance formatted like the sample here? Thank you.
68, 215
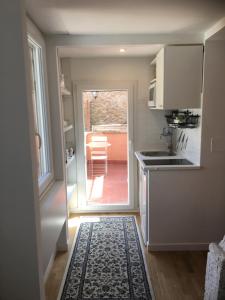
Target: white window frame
48, 178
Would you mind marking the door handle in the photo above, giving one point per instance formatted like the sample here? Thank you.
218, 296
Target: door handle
39, 140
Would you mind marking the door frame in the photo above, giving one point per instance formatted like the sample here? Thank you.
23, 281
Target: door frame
79, 87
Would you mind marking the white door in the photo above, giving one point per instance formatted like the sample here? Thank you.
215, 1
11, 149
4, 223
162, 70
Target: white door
82, 150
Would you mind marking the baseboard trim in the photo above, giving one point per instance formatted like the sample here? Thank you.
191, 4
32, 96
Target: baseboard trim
178, 247
63, 249
49, 267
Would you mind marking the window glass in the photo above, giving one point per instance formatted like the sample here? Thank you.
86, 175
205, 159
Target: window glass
42, 137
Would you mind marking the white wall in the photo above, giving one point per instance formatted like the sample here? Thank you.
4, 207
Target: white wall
213, 127
53, 204
21, 274
147, 124
193, 147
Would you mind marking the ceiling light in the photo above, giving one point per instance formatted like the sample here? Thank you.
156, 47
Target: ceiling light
122, 50
94, 94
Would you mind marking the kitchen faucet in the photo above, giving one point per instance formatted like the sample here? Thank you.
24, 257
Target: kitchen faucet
168, 134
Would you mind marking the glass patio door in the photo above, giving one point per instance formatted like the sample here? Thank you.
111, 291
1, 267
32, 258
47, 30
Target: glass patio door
104, 135
106, 140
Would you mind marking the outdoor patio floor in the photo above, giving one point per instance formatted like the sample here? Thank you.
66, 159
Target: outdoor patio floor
110, 188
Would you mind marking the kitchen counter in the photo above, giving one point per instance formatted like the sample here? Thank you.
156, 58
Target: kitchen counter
168, 202
160, 167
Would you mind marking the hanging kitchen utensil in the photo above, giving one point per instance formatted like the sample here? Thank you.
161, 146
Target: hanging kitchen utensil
182, 142
186, 143
179, 139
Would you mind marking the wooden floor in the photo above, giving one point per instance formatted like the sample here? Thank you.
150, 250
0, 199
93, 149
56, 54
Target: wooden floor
174, 275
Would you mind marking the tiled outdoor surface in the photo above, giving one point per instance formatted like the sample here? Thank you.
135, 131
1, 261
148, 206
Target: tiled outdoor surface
111, 188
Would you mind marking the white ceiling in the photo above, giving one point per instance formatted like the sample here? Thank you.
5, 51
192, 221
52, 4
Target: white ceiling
125, 16
110, 51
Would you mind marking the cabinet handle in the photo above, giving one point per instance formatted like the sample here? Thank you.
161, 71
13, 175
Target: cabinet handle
39, 140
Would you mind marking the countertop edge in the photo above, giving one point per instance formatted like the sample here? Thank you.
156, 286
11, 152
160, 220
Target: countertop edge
165, 168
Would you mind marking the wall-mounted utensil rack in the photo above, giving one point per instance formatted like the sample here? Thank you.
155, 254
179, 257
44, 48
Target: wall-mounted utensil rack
182, 119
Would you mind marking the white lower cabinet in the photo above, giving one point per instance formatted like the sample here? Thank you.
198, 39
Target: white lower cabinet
171, 210
143, 203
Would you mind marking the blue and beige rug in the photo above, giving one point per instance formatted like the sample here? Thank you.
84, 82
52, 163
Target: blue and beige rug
107, 262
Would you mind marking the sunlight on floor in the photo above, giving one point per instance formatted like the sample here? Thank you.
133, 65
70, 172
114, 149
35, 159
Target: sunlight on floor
74, 222
97, 187
110, 188
89, 219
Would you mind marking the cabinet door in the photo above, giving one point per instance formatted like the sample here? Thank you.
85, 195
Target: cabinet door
182, 76
143, 204
160, 79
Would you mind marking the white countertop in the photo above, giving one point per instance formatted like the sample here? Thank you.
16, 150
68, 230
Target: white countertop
141, 159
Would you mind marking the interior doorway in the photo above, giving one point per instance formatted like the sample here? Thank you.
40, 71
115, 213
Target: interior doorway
105, 134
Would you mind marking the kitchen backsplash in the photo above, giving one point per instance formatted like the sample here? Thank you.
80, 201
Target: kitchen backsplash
187, 142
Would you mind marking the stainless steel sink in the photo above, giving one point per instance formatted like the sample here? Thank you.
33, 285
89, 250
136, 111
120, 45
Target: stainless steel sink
157, 153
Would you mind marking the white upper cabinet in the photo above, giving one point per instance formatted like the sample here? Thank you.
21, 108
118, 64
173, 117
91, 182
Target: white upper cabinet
179, 77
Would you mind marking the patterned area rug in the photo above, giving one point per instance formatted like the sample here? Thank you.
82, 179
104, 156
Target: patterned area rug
107, 262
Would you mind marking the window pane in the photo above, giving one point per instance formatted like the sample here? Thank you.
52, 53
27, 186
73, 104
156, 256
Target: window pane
40, 112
